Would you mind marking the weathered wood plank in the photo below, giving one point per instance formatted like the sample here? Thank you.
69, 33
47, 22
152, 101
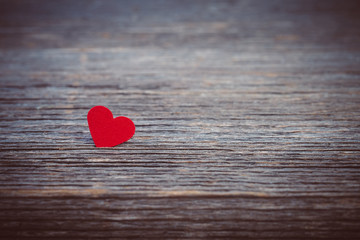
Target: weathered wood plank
247, 119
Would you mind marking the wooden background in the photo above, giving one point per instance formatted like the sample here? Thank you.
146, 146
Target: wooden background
247, 117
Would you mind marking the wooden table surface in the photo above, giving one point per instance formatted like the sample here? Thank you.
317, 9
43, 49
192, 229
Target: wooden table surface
247, 119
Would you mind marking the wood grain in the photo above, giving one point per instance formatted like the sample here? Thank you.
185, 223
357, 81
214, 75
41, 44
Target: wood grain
247, 119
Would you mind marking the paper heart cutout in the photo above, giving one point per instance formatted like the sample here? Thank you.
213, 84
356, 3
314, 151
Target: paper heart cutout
106, 130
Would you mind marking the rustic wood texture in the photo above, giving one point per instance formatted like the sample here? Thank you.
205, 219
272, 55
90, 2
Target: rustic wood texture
247, 119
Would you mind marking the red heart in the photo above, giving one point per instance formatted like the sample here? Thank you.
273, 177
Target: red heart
107, 131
